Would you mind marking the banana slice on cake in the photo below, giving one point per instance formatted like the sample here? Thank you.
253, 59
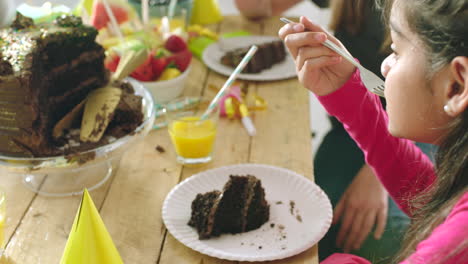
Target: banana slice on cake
67, 120
98, 112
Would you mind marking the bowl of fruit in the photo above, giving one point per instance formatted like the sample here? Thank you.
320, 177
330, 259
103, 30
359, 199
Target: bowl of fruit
164, 71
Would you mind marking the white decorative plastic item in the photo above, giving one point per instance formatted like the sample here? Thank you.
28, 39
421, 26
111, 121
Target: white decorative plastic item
300, 214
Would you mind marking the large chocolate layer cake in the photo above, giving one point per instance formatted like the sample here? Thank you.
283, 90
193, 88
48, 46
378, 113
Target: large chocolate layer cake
45, 71
240, 207
267, 55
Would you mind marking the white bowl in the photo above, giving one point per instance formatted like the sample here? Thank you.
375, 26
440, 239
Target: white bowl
165, 91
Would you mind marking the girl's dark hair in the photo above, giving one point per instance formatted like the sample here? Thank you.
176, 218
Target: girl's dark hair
349, 15
441, 27
353, 16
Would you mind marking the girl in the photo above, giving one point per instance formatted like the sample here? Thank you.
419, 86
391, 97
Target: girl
427, 99
357, 196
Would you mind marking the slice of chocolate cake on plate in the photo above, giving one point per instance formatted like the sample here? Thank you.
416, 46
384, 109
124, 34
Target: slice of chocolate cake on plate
240, 207
267, 55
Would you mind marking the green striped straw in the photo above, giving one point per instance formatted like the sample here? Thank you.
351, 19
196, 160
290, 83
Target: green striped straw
229, 81
177, 105
174, 106
160, 125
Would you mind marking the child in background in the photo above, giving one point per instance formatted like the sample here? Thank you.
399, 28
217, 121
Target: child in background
427, 100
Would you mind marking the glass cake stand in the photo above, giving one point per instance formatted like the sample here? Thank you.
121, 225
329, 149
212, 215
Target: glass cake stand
69, 175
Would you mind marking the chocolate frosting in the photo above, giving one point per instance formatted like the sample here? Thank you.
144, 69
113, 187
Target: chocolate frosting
28, 55
45, 70
5, 67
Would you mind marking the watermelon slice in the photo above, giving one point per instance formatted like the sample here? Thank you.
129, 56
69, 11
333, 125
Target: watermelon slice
99, 17
111, 62
144, 72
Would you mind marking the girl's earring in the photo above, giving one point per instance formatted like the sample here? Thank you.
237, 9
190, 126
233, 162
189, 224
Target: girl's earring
447, 109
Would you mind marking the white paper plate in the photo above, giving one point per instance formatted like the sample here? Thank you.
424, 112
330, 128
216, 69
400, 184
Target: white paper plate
288, 232
212, 58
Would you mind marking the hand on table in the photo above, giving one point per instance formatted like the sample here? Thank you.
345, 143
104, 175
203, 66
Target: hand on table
319, 69
363, 205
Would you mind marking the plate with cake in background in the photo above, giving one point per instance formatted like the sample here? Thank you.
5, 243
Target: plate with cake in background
271, 62
247, 212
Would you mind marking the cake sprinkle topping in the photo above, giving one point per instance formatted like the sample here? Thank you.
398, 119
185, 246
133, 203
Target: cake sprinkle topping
22, 22
68, 21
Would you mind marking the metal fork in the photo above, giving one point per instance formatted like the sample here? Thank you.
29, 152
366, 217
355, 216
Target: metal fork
372, 82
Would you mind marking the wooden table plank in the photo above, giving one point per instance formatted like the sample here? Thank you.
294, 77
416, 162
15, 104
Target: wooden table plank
18, 199
273, 144
43, 232
133, 206
286, 123
232, 147
132, 210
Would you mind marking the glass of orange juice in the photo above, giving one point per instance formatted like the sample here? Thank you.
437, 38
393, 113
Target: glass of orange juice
192, 138
2, 221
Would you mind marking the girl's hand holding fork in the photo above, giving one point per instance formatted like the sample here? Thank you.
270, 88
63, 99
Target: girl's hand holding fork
319, 69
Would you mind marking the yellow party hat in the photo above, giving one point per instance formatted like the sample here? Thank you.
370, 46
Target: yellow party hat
205, 12
89, 242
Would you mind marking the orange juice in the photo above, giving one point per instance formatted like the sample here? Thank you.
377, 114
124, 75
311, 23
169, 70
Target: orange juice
193, 138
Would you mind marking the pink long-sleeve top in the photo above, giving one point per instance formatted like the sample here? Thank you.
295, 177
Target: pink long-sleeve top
402, 168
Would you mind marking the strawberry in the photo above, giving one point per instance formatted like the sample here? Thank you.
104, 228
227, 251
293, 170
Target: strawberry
181, 59
175, 44
158, 64
144, 72
111, 62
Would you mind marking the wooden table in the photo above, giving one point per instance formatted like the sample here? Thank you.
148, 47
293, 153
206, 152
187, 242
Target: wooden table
130, 204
